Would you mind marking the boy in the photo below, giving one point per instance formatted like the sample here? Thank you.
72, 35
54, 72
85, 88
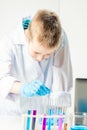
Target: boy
34, 61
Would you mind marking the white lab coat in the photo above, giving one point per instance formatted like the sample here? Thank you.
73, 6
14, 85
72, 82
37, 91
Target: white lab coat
17, 65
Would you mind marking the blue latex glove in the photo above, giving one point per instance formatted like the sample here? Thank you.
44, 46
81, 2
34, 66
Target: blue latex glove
25, 22
34, 88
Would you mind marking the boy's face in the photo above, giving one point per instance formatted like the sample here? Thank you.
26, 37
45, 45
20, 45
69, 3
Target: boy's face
38, 52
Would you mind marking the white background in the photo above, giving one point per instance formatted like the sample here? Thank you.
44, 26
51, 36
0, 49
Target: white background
11, 11
73, 15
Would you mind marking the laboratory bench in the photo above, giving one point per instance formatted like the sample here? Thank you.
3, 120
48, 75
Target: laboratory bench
10, 123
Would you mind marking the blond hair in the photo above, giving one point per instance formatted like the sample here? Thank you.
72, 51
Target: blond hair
45, 27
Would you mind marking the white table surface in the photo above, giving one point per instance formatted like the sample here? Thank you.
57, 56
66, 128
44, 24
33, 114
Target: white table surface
10, 123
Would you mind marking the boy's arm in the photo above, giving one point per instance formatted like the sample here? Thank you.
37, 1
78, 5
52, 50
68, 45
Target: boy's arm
62, 69
7, 81
16, 87
62, 74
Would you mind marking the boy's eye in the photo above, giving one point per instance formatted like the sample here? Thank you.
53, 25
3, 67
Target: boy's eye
36, 52
48, 54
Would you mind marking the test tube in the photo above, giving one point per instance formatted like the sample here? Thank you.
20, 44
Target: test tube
44, 123
60, 122
34, 120
28, 121
65, 126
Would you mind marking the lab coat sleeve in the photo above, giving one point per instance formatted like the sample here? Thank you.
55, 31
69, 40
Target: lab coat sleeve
6, 80
62, 68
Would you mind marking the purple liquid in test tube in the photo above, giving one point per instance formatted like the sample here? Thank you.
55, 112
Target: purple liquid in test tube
44, 123
60, 122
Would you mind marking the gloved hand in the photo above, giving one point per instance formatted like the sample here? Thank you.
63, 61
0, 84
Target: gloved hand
25, 22
34, 88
